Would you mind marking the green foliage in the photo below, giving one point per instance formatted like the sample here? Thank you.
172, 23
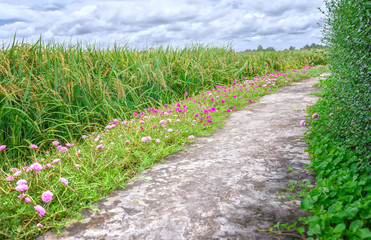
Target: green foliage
57, 91
339, 140
93, 173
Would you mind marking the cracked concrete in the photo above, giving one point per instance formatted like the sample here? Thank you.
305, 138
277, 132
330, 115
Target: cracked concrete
225, 186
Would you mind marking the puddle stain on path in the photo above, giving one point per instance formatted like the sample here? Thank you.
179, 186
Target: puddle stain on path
224, 186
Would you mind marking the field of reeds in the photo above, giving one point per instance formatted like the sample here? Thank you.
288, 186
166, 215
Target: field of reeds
60, 91
50, 192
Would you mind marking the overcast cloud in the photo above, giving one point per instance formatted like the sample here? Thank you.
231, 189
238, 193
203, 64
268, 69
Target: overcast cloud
146, 23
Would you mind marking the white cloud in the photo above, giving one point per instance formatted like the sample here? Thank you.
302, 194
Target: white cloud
246, 23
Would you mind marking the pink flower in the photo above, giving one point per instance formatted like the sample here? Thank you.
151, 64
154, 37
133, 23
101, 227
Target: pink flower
250, 101
9, 178
100, 146
331, 114
40, 209
55, 143
185, 94
234, 96
210, 121
127, 141
47, 166
182, 143
149, 138
84, 136
315, 116
191, 137
352, 123
56, 161
170, 130
47, 196
302, 122
39, 225
27, 200
63, 149
78, 165
21, 188
21, 196
115, 121
21, 182
2, 147
64, 181
166, 137
196, 115
69, 144
17, 173
36, 167
166, 105
33, 146
144, 139
229, 110
158, 140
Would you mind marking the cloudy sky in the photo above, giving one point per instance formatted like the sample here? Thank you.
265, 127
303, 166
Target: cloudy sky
145, 23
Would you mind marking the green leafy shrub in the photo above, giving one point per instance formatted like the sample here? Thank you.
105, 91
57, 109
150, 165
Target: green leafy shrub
339, 140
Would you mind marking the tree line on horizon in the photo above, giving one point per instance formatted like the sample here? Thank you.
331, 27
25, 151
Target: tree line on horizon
305, 47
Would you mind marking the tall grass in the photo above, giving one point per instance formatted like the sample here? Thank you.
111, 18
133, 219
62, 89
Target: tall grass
61, 91
107, 159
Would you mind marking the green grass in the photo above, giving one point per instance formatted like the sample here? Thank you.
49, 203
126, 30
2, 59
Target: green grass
100, 171
60, 91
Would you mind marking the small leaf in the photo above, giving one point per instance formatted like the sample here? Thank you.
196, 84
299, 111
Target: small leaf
292, 225
339, 228
364, 233
300, 230
306, 204
314, 230
355, 225
351, 212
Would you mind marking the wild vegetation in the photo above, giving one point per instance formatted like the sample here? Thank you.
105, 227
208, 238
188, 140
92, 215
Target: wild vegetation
53, 188
58, 91
339, 137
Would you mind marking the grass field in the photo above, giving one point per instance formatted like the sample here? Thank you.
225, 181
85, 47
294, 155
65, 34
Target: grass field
52, 187
58, 91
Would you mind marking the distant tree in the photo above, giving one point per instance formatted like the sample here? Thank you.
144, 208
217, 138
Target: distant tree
306, 46
291, 48
270, 49
260, 48
313, 46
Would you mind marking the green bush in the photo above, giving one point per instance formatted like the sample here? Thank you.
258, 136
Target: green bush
339, 140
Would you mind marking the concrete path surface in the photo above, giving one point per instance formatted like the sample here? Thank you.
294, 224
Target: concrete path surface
224, 186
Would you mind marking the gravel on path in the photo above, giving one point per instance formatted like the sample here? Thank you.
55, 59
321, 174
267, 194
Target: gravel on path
224, 186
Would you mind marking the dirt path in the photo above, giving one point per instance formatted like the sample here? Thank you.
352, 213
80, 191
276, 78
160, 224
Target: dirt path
224, 187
